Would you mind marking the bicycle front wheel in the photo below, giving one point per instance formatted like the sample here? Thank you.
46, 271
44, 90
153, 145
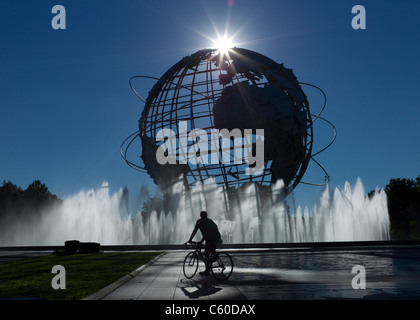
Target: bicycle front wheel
190, 265
222, 267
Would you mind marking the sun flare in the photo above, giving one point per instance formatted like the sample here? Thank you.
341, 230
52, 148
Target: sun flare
223, 44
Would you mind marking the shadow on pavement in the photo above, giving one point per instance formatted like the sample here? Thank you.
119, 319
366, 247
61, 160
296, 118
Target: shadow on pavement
203, 288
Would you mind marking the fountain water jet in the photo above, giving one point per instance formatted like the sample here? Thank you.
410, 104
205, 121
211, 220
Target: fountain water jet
249, 217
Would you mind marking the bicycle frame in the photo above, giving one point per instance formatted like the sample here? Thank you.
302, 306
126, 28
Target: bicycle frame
197, 246
221, 263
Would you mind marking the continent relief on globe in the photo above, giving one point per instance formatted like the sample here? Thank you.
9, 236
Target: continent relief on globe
244, 106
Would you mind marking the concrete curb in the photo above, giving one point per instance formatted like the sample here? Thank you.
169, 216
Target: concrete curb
113, 286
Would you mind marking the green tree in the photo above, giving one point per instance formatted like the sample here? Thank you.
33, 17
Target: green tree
404, 208
11, 198
37, 196
15, 201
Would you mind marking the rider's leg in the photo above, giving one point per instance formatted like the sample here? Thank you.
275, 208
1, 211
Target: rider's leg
211, 251
207, 250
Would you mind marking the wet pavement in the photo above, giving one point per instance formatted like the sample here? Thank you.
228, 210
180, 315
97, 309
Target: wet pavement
313, 273
329, 274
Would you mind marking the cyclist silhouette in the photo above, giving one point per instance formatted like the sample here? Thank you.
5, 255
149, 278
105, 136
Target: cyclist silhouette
210, 234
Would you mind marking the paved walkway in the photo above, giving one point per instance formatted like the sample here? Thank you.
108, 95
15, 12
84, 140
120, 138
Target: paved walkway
164, 280
299, 274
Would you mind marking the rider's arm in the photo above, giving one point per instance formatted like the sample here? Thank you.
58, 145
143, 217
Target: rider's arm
194, 232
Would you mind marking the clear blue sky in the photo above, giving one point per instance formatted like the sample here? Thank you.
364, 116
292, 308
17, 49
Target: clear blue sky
65, 103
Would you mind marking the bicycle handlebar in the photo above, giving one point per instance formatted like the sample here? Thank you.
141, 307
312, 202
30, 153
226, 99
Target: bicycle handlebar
192, 243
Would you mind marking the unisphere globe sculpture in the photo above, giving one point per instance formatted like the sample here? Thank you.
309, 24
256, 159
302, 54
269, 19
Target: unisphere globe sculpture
235, 90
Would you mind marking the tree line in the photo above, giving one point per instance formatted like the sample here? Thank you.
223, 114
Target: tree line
403, 204
14, 201
404, 208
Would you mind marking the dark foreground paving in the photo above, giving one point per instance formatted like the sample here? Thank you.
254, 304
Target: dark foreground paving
313, 273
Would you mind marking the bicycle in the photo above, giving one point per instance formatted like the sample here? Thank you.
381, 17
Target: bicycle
221, 263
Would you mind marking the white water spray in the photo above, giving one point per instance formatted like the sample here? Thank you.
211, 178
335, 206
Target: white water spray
98, 216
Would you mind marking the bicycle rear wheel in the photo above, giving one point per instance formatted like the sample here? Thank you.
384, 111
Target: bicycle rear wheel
190, 265
222, 267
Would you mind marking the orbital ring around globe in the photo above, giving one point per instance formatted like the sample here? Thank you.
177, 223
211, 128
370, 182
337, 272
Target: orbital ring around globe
239, 90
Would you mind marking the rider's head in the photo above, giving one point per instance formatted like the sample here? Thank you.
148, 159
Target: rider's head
203, 214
